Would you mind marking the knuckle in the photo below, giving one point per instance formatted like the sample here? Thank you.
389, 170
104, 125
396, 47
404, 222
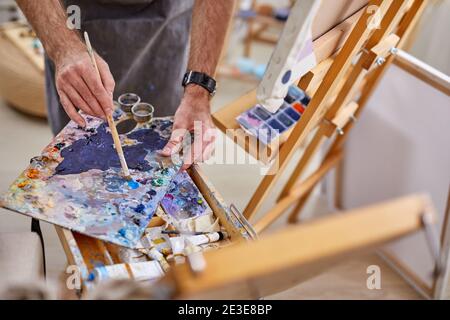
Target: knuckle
80, 66
64, 75
70, 69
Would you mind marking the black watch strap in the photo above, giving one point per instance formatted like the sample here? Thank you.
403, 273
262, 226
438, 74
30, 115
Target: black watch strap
201, 79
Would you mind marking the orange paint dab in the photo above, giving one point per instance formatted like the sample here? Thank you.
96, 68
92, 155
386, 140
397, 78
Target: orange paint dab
33, 173
299, 107
22, 184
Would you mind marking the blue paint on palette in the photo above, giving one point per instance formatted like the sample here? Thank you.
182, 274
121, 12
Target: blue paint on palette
133, 184
97, 151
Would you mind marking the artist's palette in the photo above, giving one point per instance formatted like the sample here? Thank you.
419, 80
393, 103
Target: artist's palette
183, 200
76, 183
266, 125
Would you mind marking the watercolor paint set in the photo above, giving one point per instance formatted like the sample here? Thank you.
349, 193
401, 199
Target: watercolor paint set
267, 126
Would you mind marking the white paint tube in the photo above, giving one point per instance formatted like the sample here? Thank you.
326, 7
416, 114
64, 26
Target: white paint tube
131, 256
204, 223
195, 256
207, 238
177, 244
154, 238
140, 271
154, 254
155, 245
146, 270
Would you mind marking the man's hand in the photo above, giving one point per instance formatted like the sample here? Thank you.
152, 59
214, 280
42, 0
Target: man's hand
79, 86
77, 82
192, 117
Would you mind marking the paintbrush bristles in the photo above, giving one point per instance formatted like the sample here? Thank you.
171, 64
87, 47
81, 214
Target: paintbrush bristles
111, 124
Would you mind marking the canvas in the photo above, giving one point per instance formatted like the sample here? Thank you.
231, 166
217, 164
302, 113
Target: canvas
76, 183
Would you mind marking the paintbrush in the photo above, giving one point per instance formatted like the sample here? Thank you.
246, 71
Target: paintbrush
111, 124
186, 233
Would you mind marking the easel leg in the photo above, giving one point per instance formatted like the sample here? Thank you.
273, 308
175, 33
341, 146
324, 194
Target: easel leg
338, 176
293, 217
308, 154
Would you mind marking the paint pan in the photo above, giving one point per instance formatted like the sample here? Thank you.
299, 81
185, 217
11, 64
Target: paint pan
143, 112
126, 126
128, 100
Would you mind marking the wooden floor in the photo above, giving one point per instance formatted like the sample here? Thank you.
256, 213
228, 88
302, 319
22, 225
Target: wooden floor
347, 281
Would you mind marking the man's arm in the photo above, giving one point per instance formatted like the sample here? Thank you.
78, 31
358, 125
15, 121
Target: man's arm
210, 21
76, 80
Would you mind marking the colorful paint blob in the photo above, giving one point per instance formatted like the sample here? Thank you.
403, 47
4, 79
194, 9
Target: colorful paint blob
76, 183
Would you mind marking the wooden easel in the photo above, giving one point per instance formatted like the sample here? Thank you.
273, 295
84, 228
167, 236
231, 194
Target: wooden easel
340, 88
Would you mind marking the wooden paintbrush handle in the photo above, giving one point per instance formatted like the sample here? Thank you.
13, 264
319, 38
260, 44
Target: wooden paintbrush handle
118, 146
111, 123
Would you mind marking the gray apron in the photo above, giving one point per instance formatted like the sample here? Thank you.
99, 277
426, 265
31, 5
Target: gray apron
145, 43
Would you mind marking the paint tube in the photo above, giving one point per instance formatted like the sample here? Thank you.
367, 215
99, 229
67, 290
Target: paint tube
195, 256
146, 270
154, 237
140, 271
156, 245
154, 254
177, 244
207, 238
131, 256
204, 223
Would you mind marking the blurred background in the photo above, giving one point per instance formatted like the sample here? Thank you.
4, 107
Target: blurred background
24, 130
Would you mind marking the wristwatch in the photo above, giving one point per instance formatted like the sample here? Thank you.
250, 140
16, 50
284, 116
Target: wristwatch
201, 79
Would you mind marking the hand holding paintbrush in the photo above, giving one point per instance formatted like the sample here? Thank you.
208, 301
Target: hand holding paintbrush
111, 124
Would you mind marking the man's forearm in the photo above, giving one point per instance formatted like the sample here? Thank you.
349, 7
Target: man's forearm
210, 20
48, 19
